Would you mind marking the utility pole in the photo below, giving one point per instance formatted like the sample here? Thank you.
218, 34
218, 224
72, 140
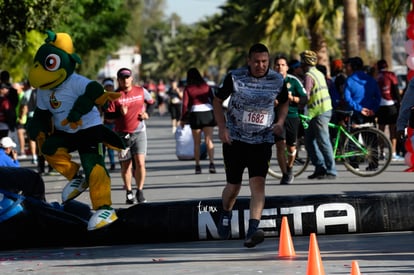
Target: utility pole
173, 28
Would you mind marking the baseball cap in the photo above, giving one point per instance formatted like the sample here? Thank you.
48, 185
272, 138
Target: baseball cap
4, 85
108, 82
293, 64
124, 72
7, 142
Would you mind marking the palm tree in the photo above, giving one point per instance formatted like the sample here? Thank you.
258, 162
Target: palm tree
351, 28
313, 25
387, 12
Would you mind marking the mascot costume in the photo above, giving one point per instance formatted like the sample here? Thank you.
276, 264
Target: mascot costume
67, 119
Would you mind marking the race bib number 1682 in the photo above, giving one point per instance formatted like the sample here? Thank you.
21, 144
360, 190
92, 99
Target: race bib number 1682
256, 118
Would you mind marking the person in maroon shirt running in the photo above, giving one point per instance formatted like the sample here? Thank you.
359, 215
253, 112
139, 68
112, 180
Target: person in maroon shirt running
197, 110
129, 114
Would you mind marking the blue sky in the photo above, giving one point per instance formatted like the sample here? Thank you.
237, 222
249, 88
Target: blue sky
192, 11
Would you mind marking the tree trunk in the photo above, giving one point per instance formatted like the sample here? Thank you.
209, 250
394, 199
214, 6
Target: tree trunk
318, 44
386, 44
351, 28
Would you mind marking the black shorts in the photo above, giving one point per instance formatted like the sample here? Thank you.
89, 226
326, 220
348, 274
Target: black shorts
199, 120
20, 126
239, 155
387, 115
85, 141
290, 131
175, 111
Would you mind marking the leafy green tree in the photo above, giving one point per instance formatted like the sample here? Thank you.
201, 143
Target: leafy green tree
95, 26
97, 36
288, 26
168, 47
314, 25
19, 62
148, 14
19, 39
19, 17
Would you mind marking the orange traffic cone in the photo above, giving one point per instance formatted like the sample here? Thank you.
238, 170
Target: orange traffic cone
355, 268
286, 248
315, 266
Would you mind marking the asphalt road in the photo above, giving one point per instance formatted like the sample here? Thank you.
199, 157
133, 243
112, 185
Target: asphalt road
169, 179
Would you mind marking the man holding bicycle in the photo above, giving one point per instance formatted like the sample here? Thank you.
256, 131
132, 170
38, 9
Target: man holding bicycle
363, 97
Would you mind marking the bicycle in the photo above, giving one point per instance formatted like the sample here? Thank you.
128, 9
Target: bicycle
364, 150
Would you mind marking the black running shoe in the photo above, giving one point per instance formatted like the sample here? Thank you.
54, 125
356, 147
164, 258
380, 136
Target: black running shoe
140, 196
224, 227
129, 198
287, 179
212, 168
317, 175
371, 167
254, 239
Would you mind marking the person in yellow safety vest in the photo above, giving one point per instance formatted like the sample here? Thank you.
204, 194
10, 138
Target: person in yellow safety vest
319, 108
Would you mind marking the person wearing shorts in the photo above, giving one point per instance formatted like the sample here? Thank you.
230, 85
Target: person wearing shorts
390, 101
197, 110
175, 95
129, 114
287, 140
247, 133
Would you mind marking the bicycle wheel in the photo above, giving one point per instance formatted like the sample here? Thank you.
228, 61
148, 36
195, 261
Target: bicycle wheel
368, 153
300, 164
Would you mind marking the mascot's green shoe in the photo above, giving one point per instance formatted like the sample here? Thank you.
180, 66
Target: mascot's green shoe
74, 188
104, 216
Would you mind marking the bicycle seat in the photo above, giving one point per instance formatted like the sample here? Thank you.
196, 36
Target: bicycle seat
343, 112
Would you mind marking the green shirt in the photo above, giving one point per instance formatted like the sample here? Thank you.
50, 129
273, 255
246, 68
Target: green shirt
296, 88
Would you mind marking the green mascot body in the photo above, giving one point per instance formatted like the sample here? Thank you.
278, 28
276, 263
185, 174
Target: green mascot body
67, 119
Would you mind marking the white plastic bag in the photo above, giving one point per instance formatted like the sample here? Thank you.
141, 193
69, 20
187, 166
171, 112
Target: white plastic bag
184, 144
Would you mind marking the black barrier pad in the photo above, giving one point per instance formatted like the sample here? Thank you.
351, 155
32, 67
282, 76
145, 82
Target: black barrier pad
179, 221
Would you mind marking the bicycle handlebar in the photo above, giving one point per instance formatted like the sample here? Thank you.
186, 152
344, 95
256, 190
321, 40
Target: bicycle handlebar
305, 119
342, 112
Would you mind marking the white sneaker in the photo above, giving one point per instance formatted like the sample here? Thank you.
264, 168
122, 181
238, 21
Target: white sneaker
22, 156
74, 188
397, 158
102, 217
